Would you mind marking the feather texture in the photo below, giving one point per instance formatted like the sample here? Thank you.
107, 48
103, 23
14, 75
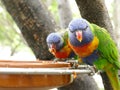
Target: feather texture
62, 49
87, 49
96, 48
107, 47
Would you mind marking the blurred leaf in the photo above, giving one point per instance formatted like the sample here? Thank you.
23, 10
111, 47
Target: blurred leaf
9, 32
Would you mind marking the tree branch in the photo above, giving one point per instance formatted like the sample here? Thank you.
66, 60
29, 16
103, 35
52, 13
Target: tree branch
35, 23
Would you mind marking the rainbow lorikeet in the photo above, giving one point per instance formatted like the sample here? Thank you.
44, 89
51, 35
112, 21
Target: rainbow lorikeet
58, 45
95, 46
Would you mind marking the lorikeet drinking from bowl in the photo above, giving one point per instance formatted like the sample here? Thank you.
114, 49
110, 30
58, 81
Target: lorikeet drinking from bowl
58, 45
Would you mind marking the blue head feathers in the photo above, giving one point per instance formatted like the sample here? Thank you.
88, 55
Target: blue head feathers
55, 39
80, 32
78, 24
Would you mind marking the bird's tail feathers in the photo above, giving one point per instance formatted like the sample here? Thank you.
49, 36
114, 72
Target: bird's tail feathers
113, 77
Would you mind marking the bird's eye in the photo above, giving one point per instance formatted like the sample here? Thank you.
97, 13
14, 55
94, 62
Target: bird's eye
58, 42
72, 31
85, 28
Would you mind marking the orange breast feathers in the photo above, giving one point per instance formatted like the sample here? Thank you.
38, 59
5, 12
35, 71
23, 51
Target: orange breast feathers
64, 52
87, 49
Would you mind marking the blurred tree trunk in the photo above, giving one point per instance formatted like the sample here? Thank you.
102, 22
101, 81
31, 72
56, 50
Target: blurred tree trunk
96, 12
35, 23
116, 20
65, 13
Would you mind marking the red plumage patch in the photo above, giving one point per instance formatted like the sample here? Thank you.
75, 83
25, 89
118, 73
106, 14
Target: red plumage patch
64, 52
87, 49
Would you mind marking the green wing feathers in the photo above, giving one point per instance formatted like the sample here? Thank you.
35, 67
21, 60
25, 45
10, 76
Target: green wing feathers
64, 34
107, 47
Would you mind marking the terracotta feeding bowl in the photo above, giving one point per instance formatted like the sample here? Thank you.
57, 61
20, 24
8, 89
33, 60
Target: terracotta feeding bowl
9, 79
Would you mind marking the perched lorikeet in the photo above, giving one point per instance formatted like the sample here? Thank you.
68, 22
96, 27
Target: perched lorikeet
95, 46
58, 45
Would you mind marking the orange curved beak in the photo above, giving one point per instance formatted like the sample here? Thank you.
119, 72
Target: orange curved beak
52, 49
79, 35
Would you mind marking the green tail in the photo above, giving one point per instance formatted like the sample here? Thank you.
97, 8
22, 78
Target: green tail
112, 74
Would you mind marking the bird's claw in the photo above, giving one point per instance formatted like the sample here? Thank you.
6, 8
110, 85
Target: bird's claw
93, 70
74, 63
57, 59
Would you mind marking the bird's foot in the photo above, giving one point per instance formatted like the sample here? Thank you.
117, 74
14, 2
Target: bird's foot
93, 70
